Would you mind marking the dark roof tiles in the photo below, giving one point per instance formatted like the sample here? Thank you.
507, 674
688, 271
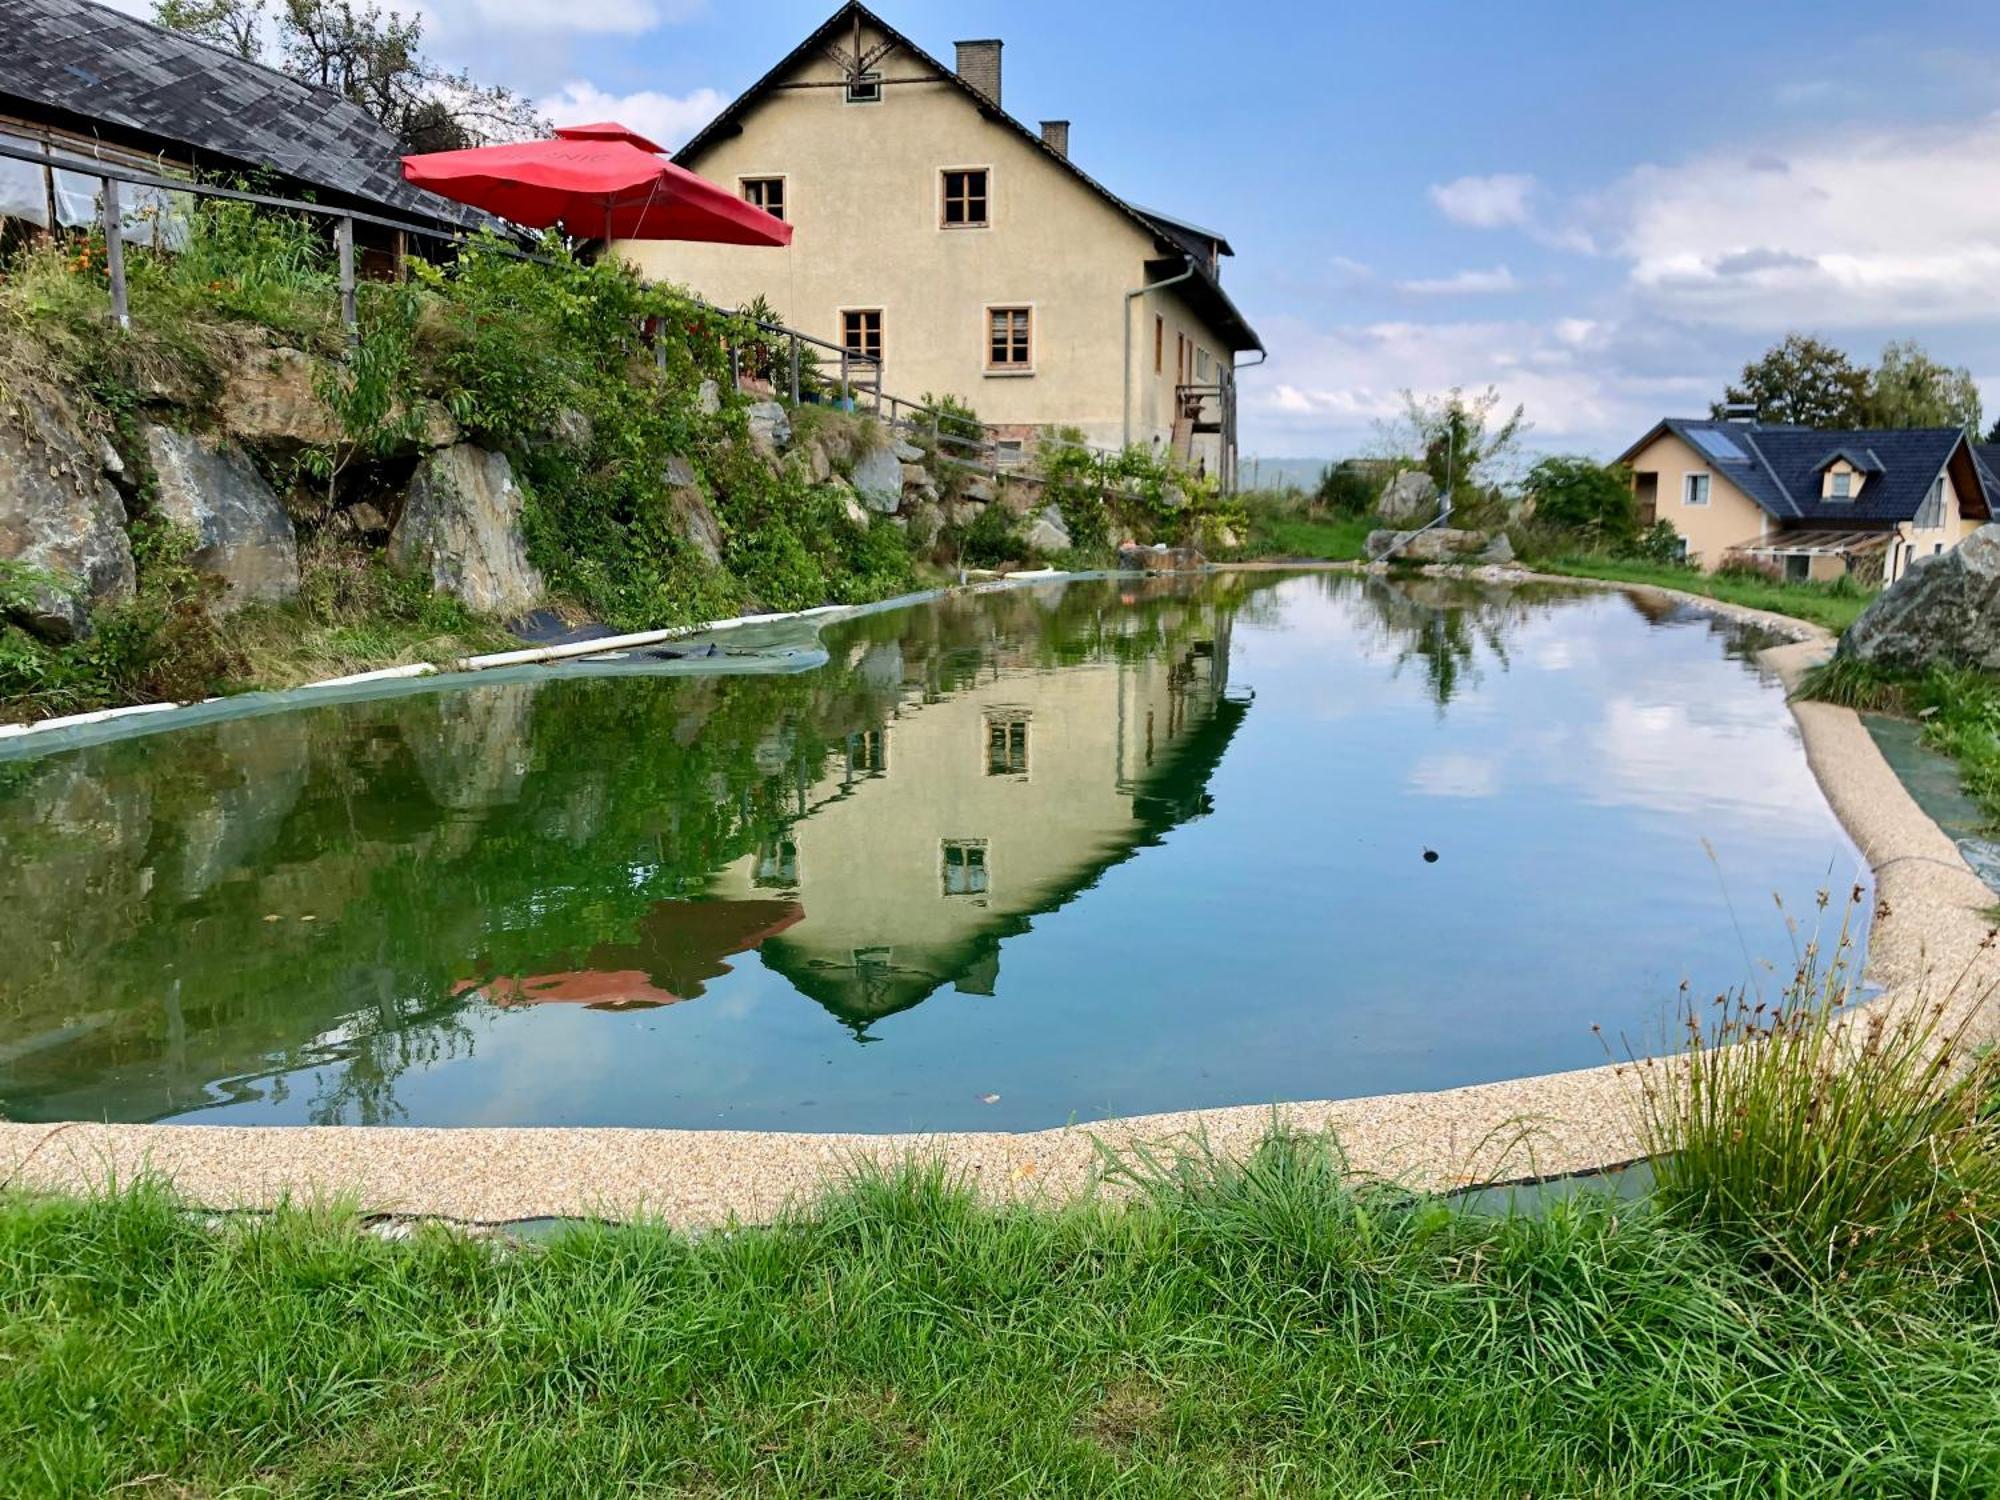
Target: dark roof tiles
95, 64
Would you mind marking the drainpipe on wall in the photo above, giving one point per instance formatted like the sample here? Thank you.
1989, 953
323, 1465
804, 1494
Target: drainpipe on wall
1130, 297
1235, 391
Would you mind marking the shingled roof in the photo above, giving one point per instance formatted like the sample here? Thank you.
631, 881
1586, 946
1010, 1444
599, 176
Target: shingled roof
1780, 468
1176, 237
88, 69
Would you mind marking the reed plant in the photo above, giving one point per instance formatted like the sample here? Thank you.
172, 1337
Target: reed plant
1829, 1138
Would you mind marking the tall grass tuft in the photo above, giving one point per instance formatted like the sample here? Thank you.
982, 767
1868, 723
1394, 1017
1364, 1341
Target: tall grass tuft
1829, 1141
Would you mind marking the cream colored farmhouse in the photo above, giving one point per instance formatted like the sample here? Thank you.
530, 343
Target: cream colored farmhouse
966, 251
1818, 505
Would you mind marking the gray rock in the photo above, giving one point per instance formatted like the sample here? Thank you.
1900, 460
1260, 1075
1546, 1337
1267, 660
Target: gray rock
461, 525
925, 523
1440, 544
680, 473
770, 428
858, 513
708, 398
878, 479
698, 524
1409, 496
906, 452
1047, 534
1944, 611
365, 516
59, 514
818, 466
978, 489
570, 428
243, 535
1499, 550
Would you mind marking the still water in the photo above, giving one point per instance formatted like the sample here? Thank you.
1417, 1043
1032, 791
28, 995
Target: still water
1069, 852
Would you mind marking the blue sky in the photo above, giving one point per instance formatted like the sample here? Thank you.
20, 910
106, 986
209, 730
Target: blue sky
1601, 208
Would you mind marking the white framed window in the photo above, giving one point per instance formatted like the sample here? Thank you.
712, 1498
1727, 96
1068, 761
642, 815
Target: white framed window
1010, 341
1842, 486
964, 201
1694, 489
864, 88
965, 870
767, 193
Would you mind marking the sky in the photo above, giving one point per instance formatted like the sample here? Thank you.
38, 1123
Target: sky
1601, 209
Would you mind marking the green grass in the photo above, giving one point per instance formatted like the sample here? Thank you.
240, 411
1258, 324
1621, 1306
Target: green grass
1252, 1331
1833, 606
1958, 708
1330, 539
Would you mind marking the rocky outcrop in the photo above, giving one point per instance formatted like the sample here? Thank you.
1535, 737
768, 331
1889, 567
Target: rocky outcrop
1410, 496
59, 515
878, 479
1944, 612
271, 397
1439, 544
461, 525
243, 536
770, 428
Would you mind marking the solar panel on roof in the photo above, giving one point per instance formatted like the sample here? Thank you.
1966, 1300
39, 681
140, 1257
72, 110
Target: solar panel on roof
1719, 447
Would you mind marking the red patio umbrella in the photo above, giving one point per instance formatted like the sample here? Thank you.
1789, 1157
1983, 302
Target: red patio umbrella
599, 185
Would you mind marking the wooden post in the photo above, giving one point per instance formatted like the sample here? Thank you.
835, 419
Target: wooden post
845, 399
735, 368
114, 254
795, 369
350, 314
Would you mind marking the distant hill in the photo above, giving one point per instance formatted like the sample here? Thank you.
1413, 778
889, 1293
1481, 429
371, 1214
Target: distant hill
1277, 473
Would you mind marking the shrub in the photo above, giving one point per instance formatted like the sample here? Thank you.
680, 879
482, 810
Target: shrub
1592, 501
992, 537
1347, 489
1659, 544
1829, 1142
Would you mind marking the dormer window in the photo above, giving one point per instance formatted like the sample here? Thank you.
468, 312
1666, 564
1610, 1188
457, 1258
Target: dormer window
1842, 486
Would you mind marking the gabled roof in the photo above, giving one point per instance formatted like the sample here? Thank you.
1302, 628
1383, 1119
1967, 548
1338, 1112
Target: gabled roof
1780, 468
1174, 235
87, 68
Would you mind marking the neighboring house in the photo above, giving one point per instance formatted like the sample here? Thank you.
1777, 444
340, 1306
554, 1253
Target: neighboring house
968, 252
1818, 505
84, 80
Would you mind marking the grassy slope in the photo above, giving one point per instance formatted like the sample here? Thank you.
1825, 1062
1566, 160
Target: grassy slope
1959, 709
1253, 1333
1333, 539
1804, 601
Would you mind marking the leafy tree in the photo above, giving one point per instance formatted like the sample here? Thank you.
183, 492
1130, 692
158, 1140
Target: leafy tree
1993, 432
1461, 440
1347, 489
1580, 495
1910, 389
1802, 381
370, 57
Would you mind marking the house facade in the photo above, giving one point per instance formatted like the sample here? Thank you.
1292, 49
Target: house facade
965, 251
1814, 504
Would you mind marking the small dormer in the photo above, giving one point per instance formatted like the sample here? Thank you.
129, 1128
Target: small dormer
1844, 472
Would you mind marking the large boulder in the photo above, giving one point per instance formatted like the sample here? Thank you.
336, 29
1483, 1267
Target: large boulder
878, 479
59, 515
461, 525
1160, 558
243, 536
697, 524
1047, 533
1439, 544
1409, 496
1944, 611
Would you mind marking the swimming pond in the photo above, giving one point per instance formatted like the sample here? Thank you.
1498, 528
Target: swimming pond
1008, 859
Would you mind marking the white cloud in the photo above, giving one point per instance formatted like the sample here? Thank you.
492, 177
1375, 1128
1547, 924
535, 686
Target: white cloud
665, 118
1854, 230
462, 20
1492, 202
1463, 283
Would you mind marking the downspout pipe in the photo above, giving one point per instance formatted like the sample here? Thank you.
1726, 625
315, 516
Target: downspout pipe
1235, 390
1131, 297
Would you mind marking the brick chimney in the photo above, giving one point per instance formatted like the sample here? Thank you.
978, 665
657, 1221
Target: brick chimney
979, 65
1055, 135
